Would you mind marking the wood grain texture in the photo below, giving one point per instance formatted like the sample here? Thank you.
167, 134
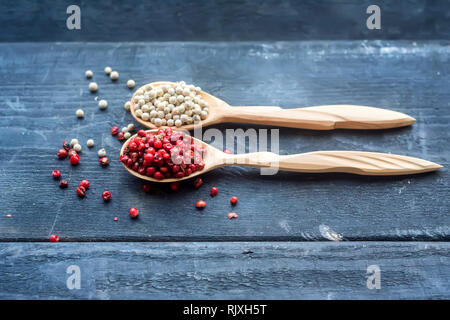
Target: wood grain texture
216, 20
41, 86
225, 270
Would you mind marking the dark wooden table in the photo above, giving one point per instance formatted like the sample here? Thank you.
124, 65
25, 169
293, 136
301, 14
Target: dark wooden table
297, 235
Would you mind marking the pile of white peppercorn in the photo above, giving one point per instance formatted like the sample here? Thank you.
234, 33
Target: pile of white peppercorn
170, 105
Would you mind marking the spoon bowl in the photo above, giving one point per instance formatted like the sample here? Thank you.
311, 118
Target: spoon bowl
212, 158
315, 118
215, 107
356, 162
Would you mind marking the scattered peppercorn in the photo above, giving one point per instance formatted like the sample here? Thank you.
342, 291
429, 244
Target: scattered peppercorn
134, 212
146, 187
74, 142
197, 183
74, 160
106, 195
232, 215
81, 191
85, 183
127, 106
88, 74
77, 147
54, 238
101, 153
174, 186
233, 200
108, 70
79, 113
56, 174
63, 184
131, 84
114, 75
200, 204
214, 191
93, 86
104, 161
62, 153
66, 145
90, 143
72, 152
114, 130
103, 104
120, 136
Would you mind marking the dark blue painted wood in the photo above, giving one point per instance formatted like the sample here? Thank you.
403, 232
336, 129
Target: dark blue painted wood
219, 20
41, 86
225, 270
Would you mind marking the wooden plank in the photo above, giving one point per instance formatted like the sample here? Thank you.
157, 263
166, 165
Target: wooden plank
41, 86
231, 20
225, 270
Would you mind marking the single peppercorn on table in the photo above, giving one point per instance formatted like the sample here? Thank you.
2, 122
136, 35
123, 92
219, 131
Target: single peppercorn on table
294, 231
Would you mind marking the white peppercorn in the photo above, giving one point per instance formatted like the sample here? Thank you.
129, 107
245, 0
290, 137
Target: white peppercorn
131, 84
127, 106
79, 113
108, 70
73, 142
114, 75
88, 74
101, 153
124, 129
127, 135
93, 86
103, 104
90, 143
77, 147
130, 127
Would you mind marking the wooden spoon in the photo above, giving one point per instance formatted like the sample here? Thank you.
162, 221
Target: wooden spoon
357, 162
314, 118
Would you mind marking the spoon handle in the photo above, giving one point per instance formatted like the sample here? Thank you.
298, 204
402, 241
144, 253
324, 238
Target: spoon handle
357, 162
320, 117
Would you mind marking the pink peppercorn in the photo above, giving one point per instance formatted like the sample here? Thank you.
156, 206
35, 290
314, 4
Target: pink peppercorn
104, 161
106, 195
232, 215
63, 184
62, 153
200, 204
174, 186
54, 238
85, 183
197, 183
81, 191
56, 174
114, 130
134, 212
214, 191
233, 200
74, 160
